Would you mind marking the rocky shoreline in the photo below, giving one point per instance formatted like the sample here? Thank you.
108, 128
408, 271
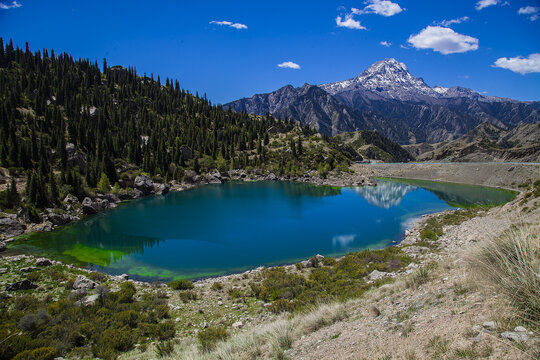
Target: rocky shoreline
13, 225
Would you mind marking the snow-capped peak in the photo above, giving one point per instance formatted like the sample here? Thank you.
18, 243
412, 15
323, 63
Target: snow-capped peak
387, 78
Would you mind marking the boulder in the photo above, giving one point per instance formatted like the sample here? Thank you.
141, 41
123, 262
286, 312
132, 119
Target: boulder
10, 227
490, 325
21, 285
136, 193
161, 189
3, 270
58, 219
71, 199
101, 204
144, 184
88, 206
515, 336
28, 269
3, 246
237, 325
213, 178
271, 176
43, 262
82, 282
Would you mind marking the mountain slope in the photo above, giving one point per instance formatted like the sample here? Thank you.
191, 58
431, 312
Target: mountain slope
487, 142
372, 145
387, 98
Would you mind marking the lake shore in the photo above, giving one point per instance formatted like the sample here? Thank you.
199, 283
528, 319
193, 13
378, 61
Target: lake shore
218, 305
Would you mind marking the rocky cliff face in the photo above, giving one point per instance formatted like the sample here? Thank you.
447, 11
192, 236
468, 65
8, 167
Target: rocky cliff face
387, 98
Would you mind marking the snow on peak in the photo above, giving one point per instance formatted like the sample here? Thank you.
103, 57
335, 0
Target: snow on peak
387, 78
440, 89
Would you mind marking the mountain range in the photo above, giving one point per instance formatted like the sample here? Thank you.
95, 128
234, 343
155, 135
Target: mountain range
386, 97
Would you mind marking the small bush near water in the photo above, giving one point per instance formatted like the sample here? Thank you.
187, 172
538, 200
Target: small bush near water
343, 279
181, 285
511, 263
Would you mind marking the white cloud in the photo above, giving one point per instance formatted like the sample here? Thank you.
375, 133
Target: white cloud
386, 43
530, 10
379, 7
349, 23
403, 46
237, 26
447, 23
13, 5
443, 40
485, 3
289, 65
520, 64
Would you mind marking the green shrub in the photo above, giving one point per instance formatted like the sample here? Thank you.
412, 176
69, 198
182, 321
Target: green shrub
281, 305
210, 336
164, 349
187, 296
42, 353
217, 286
181, 285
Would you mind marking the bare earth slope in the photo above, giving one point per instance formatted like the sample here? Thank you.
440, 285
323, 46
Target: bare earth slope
447, 317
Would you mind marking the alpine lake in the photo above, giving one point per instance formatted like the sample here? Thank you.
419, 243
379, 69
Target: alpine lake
221, 229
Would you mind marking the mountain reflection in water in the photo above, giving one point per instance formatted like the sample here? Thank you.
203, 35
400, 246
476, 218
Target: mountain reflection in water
385, 194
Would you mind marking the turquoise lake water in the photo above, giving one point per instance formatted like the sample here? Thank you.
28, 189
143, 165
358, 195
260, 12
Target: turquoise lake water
221, 229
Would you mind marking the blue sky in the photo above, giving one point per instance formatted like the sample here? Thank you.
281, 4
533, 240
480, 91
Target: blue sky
186, 40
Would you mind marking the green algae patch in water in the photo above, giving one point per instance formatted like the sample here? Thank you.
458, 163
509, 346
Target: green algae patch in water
95, 256
229, 228
460, 195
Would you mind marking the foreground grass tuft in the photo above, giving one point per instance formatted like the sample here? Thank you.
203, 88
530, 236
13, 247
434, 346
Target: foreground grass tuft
511, 263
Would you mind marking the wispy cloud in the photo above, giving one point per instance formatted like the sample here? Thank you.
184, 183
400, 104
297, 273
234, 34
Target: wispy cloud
485, 3
289, 65
349, 22
520, 64
443, 40
386, 43
13, 5
379, 7
534, 11
447, 23
229, 24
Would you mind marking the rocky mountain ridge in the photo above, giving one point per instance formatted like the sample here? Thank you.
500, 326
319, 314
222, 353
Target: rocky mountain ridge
386, 97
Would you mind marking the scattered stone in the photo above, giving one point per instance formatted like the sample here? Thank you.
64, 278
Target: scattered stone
376, 275
3, 246
3, 270
515, 336
476, 328
237, 325
520, 329
43, 262
21, 285
82, 282
490, 325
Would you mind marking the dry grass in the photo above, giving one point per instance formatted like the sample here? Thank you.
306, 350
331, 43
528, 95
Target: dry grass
511, 264
268, 340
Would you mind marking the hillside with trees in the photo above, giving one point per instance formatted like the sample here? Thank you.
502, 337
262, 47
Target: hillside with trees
69, 127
